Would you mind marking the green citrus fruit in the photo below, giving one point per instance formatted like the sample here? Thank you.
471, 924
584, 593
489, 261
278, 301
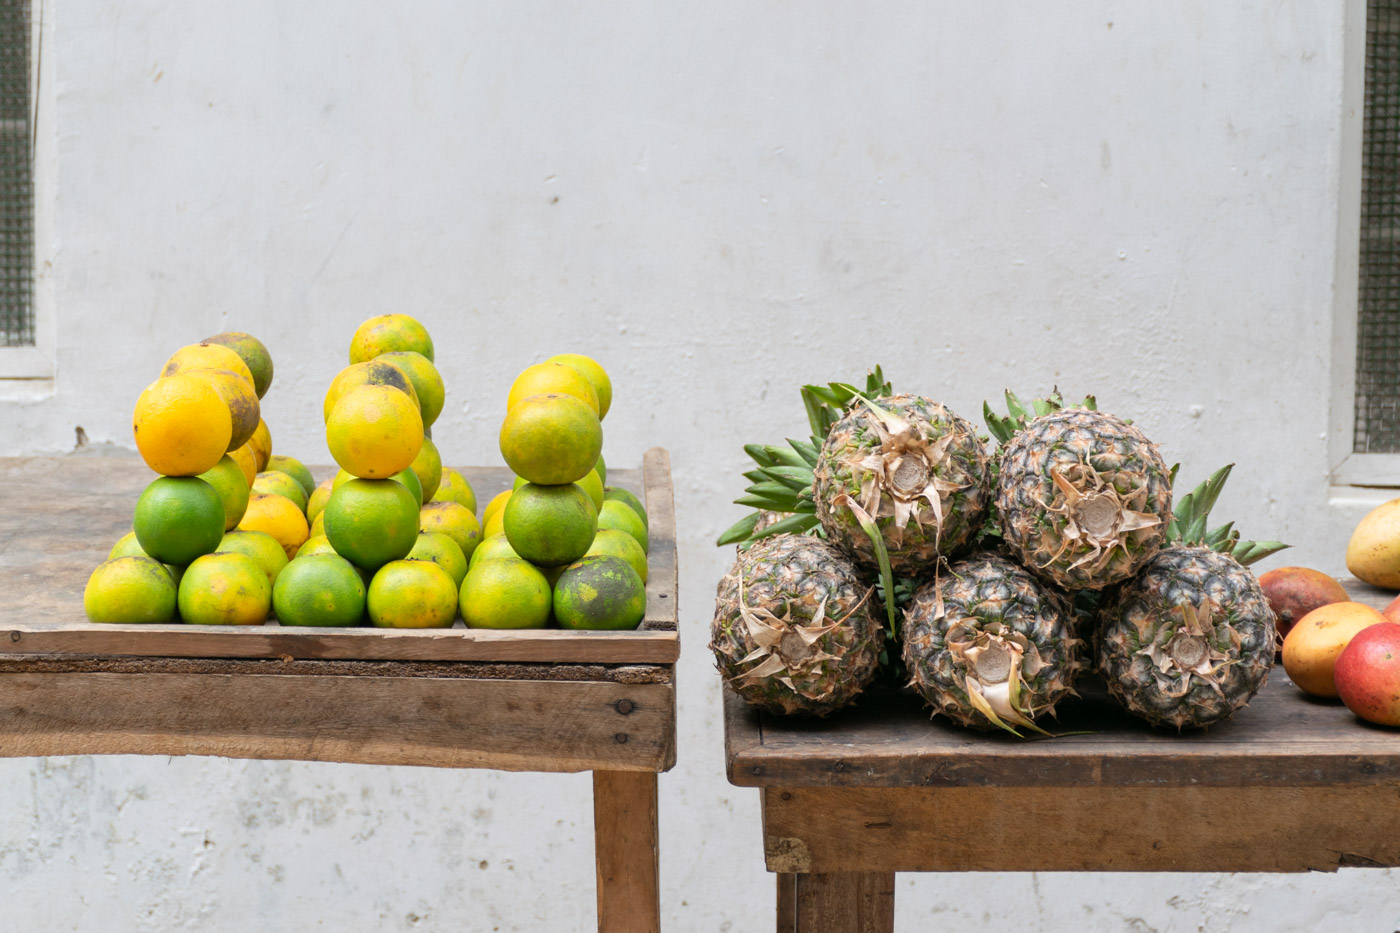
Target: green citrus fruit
371, 521
411, 481
370, 373
600, 592
617, 515
453, 520
254, 355
295, 469
319, 589
130, 590
262, 547
277, 483
427, 382
226, 477
341, 478
495, 505
126, 546
602, 469
316, 544
505, 594
551, 439
225, 589
387, 333
620, 544
179, 518
453, 487
318, 499
550, 525
443, 551
318, 524
495, 547
412, 594
594, 373
593, 485
627, 496
427, 466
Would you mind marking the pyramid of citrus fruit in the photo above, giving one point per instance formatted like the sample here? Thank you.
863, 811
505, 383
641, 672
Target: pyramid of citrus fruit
199, 548
559, 545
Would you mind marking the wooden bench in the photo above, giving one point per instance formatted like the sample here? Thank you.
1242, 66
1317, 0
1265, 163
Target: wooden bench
545, 700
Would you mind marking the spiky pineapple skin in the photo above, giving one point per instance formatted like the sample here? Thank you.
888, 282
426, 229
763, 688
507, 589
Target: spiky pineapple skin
1025, 490
989, 588
853, 436
795, 572
1146, 609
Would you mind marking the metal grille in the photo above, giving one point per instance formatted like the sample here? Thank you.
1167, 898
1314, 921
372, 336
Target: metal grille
1378, 323
16, 179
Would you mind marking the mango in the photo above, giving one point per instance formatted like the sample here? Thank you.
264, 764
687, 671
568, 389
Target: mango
1373, 554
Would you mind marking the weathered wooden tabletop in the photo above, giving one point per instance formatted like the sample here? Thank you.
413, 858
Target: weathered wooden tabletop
1283, 737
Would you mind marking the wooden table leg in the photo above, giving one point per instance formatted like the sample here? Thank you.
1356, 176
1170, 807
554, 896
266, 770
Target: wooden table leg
625, 839
787, 902
844, 902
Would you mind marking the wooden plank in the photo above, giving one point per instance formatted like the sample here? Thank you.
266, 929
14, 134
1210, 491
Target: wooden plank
1195, 829
443, 722
662, 585
1284, 738
60, 515
628, 854
844, 902
272, 640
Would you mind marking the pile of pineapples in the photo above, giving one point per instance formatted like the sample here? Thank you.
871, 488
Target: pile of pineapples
992, 571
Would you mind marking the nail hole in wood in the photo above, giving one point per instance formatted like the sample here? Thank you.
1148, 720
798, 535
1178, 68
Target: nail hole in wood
624, 706
620, 738
15, 636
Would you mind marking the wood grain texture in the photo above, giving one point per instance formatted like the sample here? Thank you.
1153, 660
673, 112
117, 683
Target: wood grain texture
1284, 738
627, 852
444, 722
786, 889
1274, 829
843, 902
59, 516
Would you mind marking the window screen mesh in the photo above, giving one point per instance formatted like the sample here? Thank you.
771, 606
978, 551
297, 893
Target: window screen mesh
1378, 323
16, 179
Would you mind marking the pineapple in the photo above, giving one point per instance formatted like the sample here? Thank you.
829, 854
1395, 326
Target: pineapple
795, 628
1188, 640
988, 645
913, 470
1083, 498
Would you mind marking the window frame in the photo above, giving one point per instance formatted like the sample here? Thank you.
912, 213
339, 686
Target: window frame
30, 367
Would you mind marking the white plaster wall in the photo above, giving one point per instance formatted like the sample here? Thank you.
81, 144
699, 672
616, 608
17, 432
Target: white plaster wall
719, 201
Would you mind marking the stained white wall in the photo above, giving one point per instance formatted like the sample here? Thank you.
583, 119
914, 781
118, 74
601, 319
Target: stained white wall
720, 201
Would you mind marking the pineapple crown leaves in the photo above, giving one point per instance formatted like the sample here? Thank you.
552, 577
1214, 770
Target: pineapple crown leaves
782, 482
1019, 414
1189, 520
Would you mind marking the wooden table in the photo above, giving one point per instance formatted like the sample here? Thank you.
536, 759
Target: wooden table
1289, 784
458, 698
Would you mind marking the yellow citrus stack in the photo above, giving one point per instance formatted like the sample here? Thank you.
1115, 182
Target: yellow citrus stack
199, 425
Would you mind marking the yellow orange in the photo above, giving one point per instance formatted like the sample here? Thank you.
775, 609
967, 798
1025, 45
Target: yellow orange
594, 373
226, 588
453, 487
387, 333
374, 431
368, 373
201, 356
412, 594
427, 382
179, 423
247, 462
560, 378
241, 400
279, 517
551, 439
251, 350
261, 442
130, 590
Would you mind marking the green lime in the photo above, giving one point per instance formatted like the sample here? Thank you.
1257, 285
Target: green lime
319, 589
453, 487
266, 550
505, 594
620, 544
410, 480
179, 518
550, 525
626, 495
496, 546
295, 469
620, 516
277, 483
228, 481
130, 590
443, 551
427, 466
371, 522
600, 592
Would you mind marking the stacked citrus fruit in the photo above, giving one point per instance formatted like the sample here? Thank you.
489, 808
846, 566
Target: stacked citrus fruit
199, 544
558, 545
230, 533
